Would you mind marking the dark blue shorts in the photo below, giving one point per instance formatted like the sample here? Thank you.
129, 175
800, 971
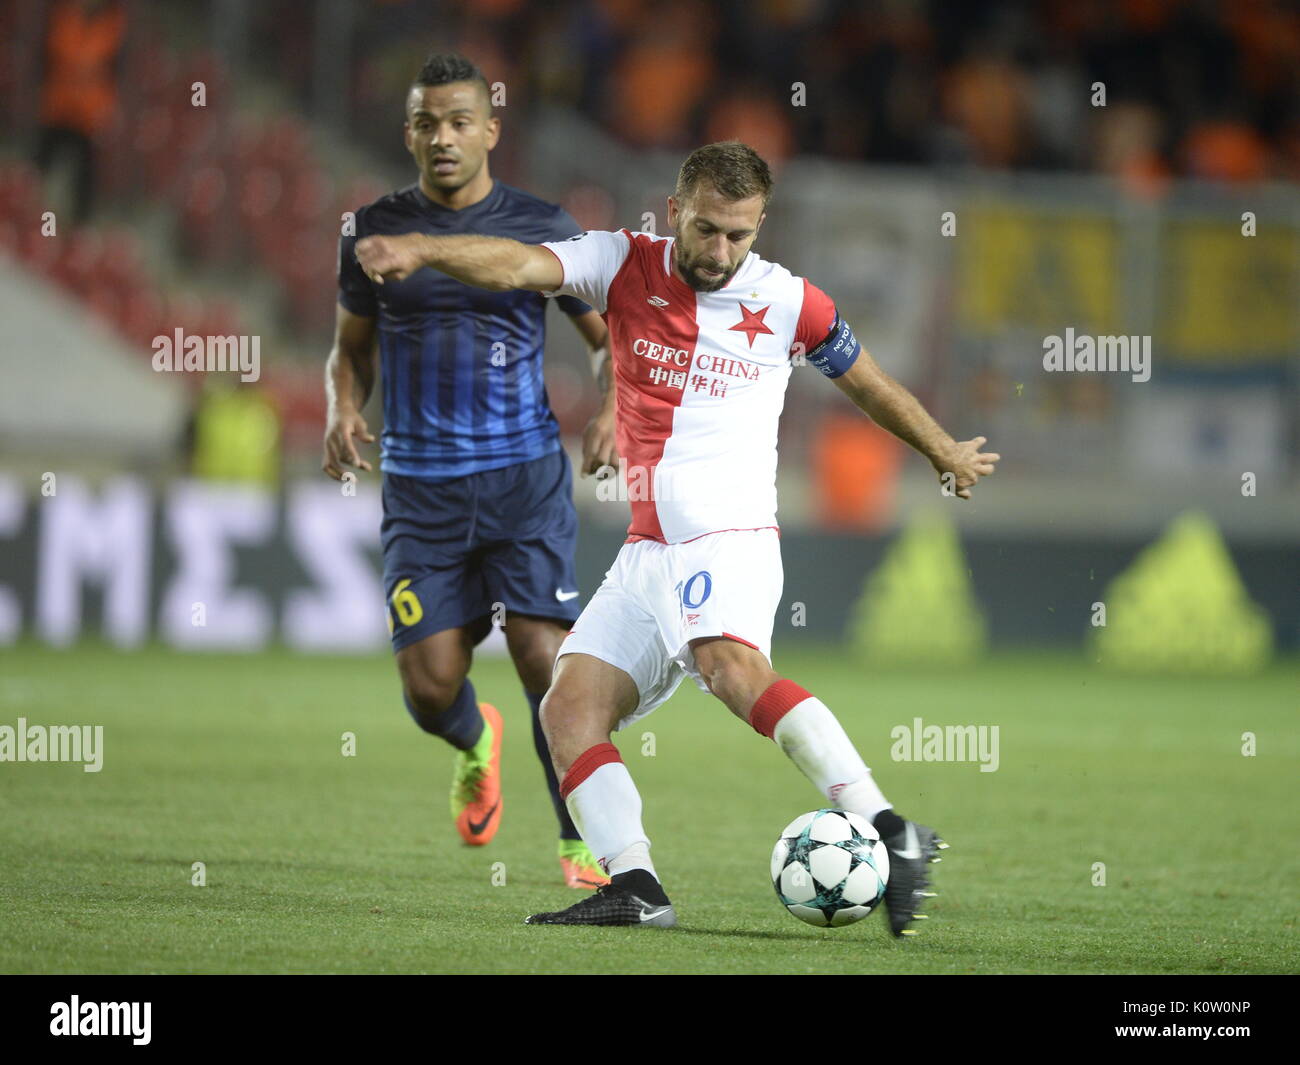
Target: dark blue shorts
455, 549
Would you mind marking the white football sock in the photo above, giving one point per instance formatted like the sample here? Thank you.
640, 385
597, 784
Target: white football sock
816, 742
606, 807
863, 797
636, 856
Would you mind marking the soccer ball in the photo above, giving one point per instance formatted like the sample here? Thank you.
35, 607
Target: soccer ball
830, 868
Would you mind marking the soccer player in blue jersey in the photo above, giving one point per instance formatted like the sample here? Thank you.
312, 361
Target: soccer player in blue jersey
477, 490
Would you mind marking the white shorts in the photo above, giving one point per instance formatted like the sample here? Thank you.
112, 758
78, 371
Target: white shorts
656, 598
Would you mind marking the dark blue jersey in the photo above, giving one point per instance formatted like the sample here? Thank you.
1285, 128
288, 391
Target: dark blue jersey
461, 366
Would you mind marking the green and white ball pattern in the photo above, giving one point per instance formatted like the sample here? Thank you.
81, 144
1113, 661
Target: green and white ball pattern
830, 868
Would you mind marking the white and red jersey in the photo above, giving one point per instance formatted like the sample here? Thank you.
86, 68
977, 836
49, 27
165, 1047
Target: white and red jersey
701, 378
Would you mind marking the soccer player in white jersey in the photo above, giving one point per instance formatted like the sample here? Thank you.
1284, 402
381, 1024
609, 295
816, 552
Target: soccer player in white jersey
703, 333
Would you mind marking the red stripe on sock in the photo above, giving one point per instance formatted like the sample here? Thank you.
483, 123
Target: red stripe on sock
774, 704
588, 762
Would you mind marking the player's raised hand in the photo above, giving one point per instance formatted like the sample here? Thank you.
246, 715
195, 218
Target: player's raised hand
966, 464
390, 258
340, 450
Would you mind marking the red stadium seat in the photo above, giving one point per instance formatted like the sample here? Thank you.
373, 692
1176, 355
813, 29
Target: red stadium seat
20, 190
75, 269
152, 72
143, 316
221, 318
287, 143
121, 264
310, 196
156, 162
208, 232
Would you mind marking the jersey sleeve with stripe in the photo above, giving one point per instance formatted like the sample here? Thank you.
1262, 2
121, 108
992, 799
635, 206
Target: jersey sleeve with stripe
816, 319
822, 336
564, 228
590, 261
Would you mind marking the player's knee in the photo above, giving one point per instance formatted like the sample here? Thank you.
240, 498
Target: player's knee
736, 681
567, 726
535, 666
534, 655
429, 693
556, 709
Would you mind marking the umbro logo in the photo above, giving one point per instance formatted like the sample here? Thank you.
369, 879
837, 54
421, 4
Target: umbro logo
656, 301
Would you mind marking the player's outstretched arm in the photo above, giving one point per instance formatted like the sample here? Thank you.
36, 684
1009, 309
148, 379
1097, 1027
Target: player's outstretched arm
891, 405
349, 378
495, 263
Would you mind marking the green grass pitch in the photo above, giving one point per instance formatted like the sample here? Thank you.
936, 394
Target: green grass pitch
316, 862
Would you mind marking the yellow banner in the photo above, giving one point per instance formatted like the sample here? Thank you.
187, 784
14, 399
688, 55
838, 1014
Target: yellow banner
1040, 269
1228, 295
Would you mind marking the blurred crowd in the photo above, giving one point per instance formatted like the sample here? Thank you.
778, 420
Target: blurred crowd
1142, 89
122, 111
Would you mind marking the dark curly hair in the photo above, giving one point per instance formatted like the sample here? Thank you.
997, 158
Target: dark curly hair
443, 68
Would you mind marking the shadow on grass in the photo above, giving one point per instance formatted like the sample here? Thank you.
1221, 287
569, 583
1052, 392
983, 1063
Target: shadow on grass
749, 933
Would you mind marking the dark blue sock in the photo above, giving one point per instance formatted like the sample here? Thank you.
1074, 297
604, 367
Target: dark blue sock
568, 830
461, 724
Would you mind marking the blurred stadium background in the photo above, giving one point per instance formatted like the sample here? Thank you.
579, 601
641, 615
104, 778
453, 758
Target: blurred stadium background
965, 179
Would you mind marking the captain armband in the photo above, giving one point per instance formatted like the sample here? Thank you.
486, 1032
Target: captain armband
840, 350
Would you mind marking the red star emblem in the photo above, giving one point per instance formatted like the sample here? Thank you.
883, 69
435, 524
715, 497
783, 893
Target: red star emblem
751, 322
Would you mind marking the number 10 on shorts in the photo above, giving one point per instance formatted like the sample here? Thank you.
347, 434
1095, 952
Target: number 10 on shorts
692, 592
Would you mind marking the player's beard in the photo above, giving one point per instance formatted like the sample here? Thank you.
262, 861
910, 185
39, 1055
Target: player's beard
698, 281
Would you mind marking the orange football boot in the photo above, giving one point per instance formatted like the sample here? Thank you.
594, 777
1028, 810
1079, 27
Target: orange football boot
580, 868
476, 786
